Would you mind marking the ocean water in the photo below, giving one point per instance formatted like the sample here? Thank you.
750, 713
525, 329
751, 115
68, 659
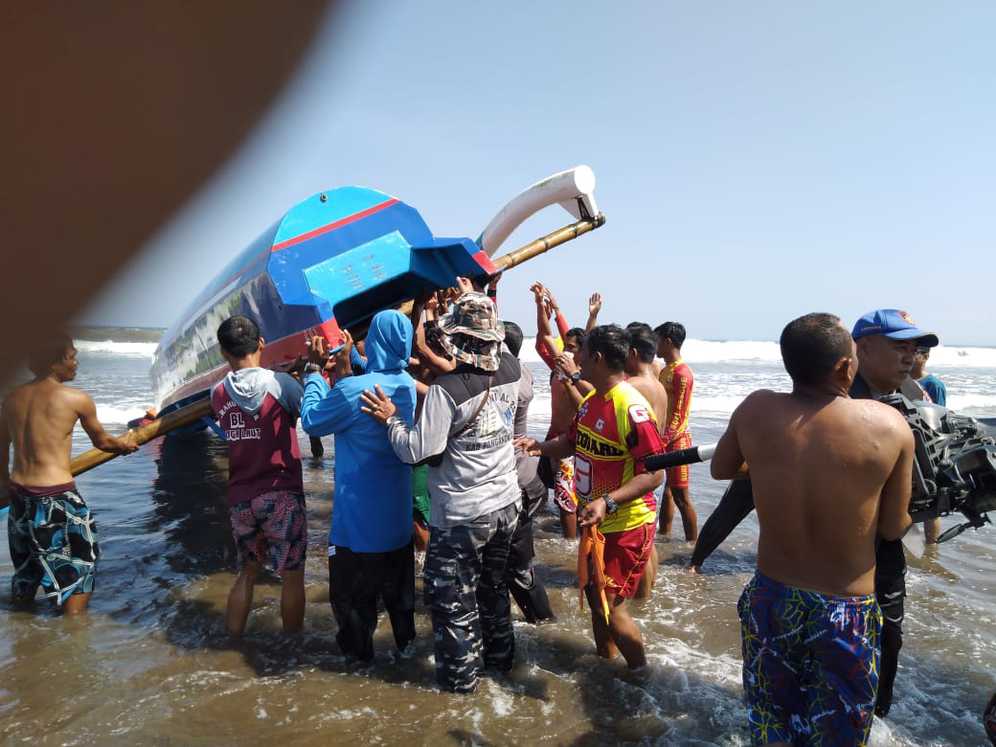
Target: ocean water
151, 663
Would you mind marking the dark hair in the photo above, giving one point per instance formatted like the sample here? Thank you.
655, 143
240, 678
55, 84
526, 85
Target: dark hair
612, 342
674, 331
513, 337
812, 345
577, 333
51, 351
239, 336
642, 340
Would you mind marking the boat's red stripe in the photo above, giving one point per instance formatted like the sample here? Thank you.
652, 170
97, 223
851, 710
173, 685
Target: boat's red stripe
485, 262
333, 226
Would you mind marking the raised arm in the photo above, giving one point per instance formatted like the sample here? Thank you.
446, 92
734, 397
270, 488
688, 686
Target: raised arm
87, 412
894, 510
543, 333
594, 306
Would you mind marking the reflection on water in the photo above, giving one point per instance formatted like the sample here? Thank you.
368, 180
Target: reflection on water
153, 664
189, 505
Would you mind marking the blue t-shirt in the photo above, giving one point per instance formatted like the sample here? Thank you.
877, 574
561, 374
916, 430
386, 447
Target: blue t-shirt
372, 504
934, 387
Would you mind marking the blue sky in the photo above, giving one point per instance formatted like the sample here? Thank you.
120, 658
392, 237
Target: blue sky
756, 161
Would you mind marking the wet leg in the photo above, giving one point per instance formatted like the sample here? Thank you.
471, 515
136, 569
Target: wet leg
240, 598
625, 634
420, 535
689, 519
667, 513
646, 584
569, 524
292, 600
604, 644
77, 604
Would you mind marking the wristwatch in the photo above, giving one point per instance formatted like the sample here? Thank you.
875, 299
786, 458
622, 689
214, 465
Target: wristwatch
575, 377
610, 505
311, 368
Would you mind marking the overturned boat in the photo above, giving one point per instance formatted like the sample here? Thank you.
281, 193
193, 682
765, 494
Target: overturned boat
336, 258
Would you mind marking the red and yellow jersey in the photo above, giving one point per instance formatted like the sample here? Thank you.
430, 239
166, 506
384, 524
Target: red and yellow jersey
678, 380
611, 434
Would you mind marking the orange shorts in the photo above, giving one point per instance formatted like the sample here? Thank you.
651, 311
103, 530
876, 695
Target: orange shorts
677, 477
626, 555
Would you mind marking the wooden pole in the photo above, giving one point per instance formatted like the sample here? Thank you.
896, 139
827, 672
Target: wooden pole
145, 433
546, 243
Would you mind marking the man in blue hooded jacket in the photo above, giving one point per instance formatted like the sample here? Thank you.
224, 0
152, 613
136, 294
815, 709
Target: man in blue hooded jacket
370, 541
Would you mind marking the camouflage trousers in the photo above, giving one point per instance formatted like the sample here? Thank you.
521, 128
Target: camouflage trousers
467, 595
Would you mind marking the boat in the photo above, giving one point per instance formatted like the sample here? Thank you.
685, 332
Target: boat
332, 261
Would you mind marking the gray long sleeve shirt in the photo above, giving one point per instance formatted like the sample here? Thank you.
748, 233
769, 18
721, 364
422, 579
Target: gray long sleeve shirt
477, 473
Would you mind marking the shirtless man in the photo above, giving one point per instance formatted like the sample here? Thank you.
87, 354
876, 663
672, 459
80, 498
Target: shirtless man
53, 538
830, 475
642, 374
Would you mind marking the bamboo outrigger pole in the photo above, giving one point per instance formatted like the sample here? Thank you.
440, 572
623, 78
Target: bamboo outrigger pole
145, 433
548, 242
523, 254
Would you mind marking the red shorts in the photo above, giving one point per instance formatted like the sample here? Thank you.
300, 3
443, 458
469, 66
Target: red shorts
677, 477
626, 556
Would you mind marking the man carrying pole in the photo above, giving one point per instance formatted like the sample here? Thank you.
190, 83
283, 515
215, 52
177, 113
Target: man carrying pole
53, 538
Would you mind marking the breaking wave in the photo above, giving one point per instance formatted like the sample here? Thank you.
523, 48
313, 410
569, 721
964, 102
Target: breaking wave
740, 351
112, 347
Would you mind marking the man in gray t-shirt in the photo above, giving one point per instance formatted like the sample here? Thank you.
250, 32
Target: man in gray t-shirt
465, 430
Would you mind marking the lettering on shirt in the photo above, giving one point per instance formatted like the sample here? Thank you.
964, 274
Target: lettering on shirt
590, 444
234, 424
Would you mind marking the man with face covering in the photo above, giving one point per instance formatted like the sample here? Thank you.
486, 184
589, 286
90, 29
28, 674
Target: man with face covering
465, 428
370, 541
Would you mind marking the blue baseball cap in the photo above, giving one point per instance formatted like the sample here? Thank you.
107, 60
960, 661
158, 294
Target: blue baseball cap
894, 324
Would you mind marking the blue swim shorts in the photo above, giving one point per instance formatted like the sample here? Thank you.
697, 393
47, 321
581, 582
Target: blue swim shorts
811, 664
53, 542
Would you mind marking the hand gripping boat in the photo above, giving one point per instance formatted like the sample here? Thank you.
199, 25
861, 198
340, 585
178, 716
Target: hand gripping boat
335, 259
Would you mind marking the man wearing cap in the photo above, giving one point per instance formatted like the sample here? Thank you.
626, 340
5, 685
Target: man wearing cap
887, 340
465, 431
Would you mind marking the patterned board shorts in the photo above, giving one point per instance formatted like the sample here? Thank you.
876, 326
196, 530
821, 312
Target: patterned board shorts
273, 523
563, 486
811, 664
53, 543
677, 477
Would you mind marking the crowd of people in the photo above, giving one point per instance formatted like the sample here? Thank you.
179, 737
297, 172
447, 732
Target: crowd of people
429, 416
